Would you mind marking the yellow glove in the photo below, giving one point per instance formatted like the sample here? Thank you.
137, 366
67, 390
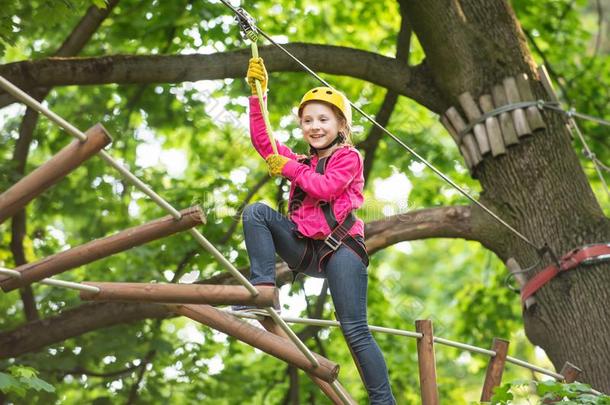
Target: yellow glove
275, 164
257, 71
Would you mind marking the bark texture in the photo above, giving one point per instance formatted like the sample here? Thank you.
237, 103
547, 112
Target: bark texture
538, 187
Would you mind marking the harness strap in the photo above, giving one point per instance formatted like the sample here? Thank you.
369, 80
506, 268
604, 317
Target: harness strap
339, 232
585, 255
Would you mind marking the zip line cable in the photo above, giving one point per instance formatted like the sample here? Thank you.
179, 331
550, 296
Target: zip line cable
242, 17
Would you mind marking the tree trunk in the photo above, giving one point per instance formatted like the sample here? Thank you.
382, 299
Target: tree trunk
538, 186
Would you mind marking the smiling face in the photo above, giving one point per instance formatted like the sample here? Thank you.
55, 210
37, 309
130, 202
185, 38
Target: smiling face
320, 124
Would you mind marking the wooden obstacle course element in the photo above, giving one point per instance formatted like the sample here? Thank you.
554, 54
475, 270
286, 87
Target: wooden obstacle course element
55, 169
545, 79
427, 363
325, 387
268, 342
468, 140
519, 118
515, 269
509, 133
534, 117
473, 113
212, 294
495, 368
97, 249
570, 372
492, 125
456, 138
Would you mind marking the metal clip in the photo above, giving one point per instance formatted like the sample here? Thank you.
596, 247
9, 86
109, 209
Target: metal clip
332, 242
247, 24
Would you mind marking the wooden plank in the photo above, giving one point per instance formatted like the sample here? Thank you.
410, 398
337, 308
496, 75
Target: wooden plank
519, 118
492, 125
495, 368
509, 134
545, 79
48, 174
513, 266
212, 294
97, 249
274, 345
473, 113
427, 363
570, 372
534, 118
469, 142
456, 138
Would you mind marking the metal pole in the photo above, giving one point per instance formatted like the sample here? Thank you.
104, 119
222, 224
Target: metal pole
53, 282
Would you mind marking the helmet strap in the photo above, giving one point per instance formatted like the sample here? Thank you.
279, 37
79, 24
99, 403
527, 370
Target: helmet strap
340, 138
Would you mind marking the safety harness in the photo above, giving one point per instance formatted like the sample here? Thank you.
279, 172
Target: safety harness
324, 248
589, 254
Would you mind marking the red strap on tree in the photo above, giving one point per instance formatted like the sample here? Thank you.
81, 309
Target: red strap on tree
572, 259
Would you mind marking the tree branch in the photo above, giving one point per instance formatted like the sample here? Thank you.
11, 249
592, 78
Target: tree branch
130, 69
443, 222
369, 146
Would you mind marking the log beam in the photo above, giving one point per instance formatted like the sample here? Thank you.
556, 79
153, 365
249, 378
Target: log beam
100, 248
211, 294
58, 167
274, 345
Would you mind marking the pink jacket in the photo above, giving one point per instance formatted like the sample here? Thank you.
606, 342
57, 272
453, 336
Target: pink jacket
341, 184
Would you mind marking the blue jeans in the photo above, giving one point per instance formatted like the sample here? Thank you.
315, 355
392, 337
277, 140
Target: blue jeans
267, 232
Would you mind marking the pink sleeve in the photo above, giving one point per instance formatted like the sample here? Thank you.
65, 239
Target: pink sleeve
343, 167
258, 133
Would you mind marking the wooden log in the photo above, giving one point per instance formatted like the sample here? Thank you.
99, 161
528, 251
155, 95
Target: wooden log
427, 363
325, 387
570, 372
495, 368
492, 125
534, 118
456, 138
473, 113
468, 140
545, 79
519, 117
45, 176
509, 134
212, 294
514, 268
97, 249
274, 345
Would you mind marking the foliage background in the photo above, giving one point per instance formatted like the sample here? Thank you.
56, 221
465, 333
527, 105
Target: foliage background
456, 283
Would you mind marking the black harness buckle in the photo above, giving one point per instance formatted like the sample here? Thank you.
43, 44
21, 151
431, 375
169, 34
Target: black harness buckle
332, 243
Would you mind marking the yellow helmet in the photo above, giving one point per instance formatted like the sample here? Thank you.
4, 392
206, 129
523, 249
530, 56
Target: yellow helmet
331, 96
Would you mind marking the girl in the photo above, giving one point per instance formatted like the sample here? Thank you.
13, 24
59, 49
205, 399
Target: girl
321, 237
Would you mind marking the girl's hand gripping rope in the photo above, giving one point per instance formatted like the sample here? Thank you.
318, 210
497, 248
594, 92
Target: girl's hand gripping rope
257, 71
275, 164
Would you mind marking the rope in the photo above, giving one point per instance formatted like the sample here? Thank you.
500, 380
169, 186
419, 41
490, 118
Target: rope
391, 135
53, 282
